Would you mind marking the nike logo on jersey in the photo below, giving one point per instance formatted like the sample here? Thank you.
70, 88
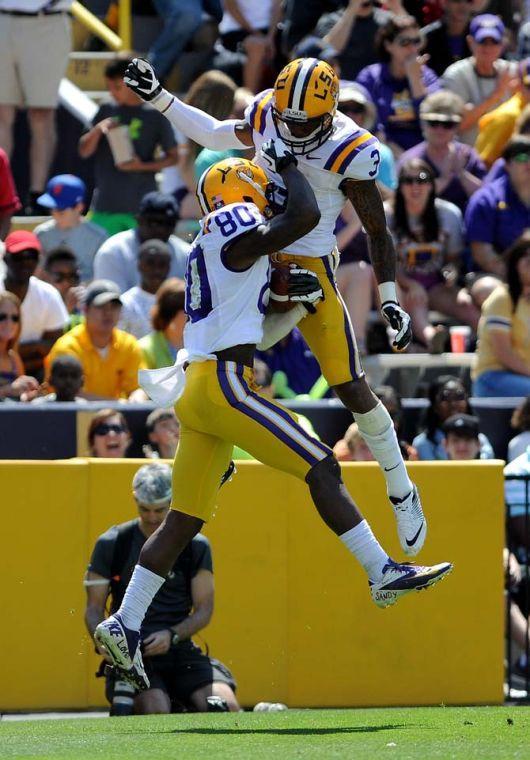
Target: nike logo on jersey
411, 543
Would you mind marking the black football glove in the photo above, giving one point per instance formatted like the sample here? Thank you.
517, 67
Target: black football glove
140, 77
304, 287
399, 320
277, 155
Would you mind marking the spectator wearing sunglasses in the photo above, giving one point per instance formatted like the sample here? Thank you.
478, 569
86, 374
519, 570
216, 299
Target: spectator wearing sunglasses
13, 381
429, 241
498, 126
61, 270
399, 84
108, 435
43, 313
65, 198
110, 357
447, 397
446, 38
500, 211
483, 80
457, 167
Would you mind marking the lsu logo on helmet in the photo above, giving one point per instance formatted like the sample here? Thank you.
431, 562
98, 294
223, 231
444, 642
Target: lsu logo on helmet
237, 179
306, 95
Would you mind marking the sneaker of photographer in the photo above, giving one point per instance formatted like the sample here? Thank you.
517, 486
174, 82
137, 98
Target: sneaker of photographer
123, 647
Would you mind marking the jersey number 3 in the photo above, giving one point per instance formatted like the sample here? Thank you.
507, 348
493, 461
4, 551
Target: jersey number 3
374, 155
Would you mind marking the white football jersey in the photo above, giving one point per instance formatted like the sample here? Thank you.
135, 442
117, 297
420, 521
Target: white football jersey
350, 152
225, 307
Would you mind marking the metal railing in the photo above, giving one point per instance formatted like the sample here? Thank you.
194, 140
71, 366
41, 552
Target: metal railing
518, 542
120, 41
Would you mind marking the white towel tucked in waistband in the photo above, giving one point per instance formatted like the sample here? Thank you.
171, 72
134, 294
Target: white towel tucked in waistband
166, 385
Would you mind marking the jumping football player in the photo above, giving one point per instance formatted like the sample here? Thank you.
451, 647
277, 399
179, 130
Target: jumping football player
340, 160
218, 404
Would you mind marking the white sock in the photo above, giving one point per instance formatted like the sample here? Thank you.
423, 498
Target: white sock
377, 429
139, 594
365, 547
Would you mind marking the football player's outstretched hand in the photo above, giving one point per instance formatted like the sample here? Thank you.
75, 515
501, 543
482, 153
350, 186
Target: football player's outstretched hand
399, 320
277, 155
304, 287
140, 77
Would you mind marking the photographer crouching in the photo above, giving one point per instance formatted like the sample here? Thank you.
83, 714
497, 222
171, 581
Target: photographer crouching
182, 677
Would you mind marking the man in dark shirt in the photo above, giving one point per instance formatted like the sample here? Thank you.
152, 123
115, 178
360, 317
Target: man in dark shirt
178, 670
123, 179
352, 33
446, 39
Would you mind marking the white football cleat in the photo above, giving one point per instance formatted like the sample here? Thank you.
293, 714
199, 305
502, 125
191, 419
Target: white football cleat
398, 580
411, 523
123, 647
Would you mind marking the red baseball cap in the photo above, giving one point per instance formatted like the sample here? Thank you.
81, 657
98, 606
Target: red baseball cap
22, 240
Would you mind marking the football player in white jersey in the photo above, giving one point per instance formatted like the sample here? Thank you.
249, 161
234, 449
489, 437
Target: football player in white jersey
340, 160
218, 404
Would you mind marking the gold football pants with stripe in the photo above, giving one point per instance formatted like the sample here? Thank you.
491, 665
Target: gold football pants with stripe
221, 407
328, 332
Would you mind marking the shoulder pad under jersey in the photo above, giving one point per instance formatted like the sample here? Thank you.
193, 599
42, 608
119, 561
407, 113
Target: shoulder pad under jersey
356, 156
256, 112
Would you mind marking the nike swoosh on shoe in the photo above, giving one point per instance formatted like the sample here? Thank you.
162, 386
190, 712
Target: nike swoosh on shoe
411, 543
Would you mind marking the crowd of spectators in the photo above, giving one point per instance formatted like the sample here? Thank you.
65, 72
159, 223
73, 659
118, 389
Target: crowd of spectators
445, 86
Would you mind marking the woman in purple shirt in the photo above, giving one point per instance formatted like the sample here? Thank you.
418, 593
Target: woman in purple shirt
399, 84
428, 234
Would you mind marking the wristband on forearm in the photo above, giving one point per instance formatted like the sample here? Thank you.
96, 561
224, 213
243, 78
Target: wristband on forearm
387, 292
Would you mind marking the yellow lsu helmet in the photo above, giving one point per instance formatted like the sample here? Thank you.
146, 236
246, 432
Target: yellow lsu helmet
237, 179
306, 95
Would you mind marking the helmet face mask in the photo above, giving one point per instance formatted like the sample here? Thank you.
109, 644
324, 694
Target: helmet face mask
303, 136
305, 102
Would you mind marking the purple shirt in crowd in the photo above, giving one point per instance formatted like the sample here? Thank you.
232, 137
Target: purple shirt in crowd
397, 110
496, 215
498, 170
294, 357
454, 192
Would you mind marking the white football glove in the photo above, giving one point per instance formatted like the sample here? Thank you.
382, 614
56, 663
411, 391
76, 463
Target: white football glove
399, 320
277, 155
140, 77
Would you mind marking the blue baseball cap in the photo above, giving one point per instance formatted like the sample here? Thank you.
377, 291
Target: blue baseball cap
487, 26
63, 191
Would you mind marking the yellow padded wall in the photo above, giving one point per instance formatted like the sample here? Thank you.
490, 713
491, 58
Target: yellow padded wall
293, 617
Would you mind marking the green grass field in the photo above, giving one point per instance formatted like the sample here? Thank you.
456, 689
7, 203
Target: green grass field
438, 732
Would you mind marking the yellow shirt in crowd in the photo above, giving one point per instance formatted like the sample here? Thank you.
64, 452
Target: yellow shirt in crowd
113, 373
498, 314
496, 128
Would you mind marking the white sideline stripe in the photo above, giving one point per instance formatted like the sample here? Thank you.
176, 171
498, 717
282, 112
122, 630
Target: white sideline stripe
272, 416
